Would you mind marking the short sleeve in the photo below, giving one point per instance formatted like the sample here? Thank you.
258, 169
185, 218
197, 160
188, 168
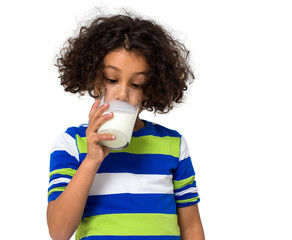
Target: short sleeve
64, 161
185, 188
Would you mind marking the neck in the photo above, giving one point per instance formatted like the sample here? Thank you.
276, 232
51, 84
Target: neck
139, 124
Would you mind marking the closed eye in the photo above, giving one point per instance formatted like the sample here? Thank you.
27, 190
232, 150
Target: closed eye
111, 81
134, 85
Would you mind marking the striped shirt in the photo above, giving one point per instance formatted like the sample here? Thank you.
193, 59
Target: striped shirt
136, 191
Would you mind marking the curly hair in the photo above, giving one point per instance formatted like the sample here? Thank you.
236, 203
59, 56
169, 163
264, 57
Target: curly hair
80, 62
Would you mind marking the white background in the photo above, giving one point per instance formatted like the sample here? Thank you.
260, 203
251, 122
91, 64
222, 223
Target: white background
236, 117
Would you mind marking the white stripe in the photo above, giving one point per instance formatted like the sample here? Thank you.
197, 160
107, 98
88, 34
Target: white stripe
59, 180
189, 190
66, 143
84, 125
113, 183
184, 150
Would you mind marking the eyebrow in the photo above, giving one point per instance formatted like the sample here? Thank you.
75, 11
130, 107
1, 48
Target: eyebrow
117, 69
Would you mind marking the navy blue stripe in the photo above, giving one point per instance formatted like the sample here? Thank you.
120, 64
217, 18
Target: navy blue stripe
186, 196
184, 170
57, 185
54, 196
179, 205
132, 238
82, 156
155, 130
55, 176
149, 129
81, 131
61, 159
185, 187
139, 164
130, 203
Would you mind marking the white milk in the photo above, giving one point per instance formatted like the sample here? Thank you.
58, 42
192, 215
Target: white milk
121, 125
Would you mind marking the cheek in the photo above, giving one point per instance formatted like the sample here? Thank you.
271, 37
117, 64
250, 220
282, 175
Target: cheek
110, 94
135, 100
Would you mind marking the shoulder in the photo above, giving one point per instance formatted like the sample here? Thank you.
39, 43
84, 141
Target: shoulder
66, 141
77, 130
162, 131
169, 135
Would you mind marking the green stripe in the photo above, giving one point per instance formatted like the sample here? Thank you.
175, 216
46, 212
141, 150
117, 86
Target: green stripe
129, 224
143, 145
81, 144
63, 171
188, 200
184, 182
154, 145
57, 189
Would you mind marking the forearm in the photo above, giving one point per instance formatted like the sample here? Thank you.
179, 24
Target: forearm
195, 233
64, 214
190, 224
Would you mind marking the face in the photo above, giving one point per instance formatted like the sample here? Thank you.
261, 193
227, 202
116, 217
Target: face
125, 68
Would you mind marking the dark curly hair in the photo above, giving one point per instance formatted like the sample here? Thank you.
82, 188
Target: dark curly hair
80, 62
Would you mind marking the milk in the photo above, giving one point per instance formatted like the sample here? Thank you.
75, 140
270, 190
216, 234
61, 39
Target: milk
121, 125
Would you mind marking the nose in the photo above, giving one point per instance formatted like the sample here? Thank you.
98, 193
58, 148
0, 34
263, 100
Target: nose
122, 93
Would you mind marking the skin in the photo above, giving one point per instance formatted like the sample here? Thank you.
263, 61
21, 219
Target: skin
123, 68
190, 224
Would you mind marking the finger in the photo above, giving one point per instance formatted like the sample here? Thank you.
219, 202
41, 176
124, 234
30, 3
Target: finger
99, 112
105, 137
95, 123
98, 115
101, 120
93, 108
95, 138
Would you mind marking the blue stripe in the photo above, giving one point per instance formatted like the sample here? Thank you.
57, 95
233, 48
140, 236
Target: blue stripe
82, 156
155, 130
187, 204
53, 196
185, 187
61, 159
185, 169
72, 131
57, 185
149, 129
139, 164
132, 238
130, 203
55, 176
187, 196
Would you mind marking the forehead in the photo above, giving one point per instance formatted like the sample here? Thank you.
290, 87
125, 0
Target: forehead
125, 60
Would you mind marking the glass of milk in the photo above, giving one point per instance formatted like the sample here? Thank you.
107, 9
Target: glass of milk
124, 102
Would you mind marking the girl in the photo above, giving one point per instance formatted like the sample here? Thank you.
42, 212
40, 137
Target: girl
147, 190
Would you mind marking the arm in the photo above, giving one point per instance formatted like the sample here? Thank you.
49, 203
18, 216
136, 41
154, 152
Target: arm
190, 223
64, 213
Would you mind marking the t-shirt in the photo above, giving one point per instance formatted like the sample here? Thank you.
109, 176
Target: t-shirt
136, 191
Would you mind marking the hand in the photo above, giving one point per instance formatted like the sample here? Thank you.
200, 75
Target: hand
95, 151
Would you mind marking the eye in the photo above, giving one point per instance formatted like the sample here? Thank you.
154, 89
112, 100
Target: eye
134, 85
111, 81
